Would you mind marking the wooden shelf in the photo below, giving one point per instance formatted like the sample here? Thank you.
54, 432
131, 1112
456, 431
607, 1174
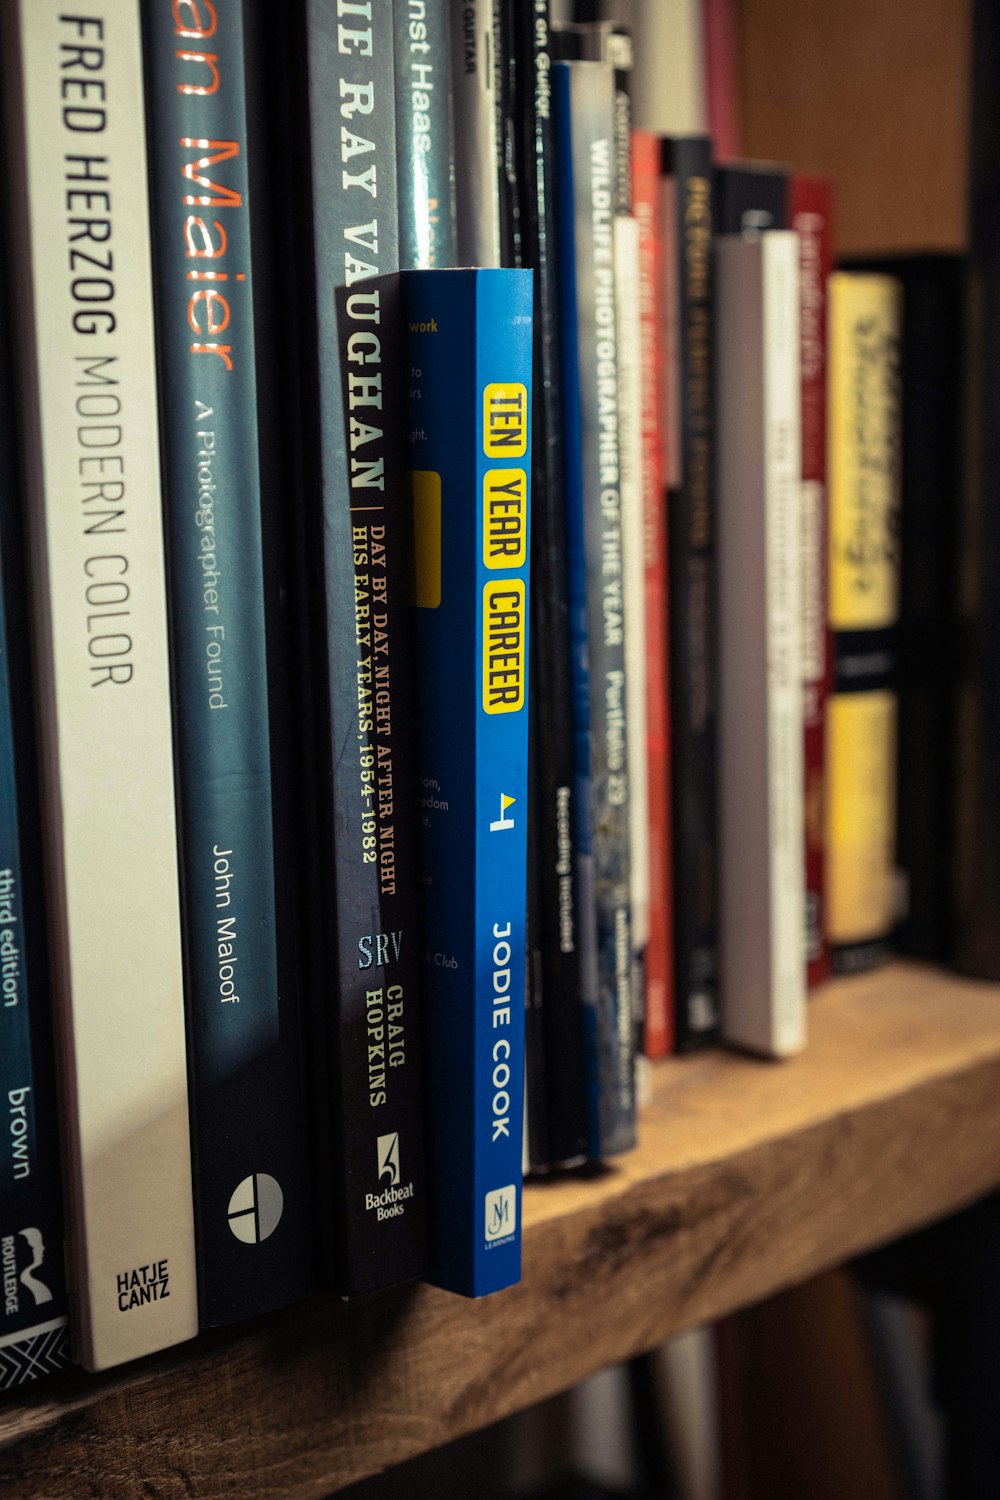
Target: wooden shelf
750, 1176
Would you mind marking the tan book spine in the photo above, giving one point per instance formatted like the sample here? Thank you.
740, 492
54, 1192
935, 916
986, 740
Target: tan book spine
77, 160
762, 869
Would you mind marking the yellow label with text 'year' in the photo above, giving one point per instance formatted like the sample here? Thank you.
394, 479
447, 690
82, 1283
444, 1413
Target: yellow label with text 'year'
505, 507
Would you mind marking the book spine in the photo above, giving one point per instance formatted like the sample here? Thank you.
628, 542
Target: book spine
974, 874
760, 697
686, 193
92, 460
248, 1124
630, 376
584, 114
357, 541
723, 83
34, 1333
470, 367
505, 63
555, 799
474, 105
659, 1008
425, 146
865, 313
811, 217
749, 199
935, 421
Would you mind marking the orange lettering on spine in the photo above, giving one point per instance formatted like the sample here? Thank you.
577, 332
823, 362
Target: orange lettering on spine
188, 19
210, 59
194, 226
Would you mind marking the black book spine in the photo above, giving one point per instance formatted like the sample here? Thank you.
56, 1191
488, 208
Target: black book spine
252, 1215
693, 626
554, 813
749, 199
931, 413
425, 147
509, 185
976, 870
353, 548
34, 1336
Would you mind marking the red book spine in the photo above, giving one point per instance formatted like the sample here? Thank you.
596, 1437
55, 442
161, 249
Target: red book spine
659, 1027
812, 220
721, 77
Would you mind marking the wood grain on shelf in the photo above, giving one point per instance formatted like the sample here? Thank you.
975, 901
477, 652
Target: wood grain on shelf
875, 96
750, 1177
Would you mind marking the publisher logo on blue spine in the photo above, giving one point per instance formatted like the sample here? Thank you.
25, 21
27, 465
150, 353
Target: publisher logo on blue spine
501, 1213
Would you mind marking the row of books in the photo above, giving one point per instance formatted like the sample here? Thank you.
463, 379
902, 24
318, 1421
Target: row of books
293, 1018
220, 382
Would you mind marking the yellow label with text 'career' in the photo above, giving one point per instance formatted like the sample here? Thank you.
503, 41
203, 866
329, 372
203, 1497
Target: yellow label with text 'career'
504, 621
505, 532
505, 421
425, 489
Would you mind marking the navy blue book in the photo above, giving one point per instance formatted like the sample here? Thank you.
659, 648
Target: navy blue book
425, 147
556, 1012
583, 97
213, 287
34, 1338
469, 358
354, 641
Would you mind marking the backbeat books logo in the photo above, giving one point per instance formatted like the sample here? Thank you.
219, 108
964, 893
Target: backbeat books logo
388, 1158
390, 1203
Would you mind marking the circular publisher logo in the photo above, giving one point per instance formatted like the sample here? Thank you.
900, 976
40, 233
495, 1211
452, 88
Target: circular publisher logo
255, 1208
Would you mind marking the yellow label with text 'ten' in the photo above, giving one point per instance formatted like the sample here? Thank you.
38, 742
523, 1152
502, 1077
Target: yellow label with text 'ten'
505, 421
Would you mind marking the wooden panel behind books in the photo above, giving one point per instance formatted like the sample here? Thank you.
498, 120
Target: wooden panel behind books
875, 97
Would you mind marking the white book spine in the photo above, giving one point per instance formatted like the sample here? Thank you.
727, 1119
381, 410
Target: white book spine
627, 297
782, 519
759, 548
76, 152
668, 75
474, 107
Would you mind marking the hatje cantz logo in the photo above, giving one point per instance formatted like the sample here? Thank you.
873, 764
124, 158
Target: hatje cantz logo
501, 1213
255, 1208
390, 1202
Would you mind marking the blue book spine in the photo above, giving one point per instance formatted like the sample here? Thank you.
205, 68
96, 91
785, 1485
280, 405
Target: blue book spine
583, 99
34, 1338
469, 356
248, 1117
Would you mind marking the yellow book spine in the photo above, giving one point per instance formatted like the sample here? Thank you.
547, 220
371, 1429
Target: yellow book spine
865, 313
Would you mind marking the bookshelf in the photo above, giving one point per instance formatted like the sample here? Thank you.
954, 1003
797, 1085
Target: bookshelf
749, 1177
